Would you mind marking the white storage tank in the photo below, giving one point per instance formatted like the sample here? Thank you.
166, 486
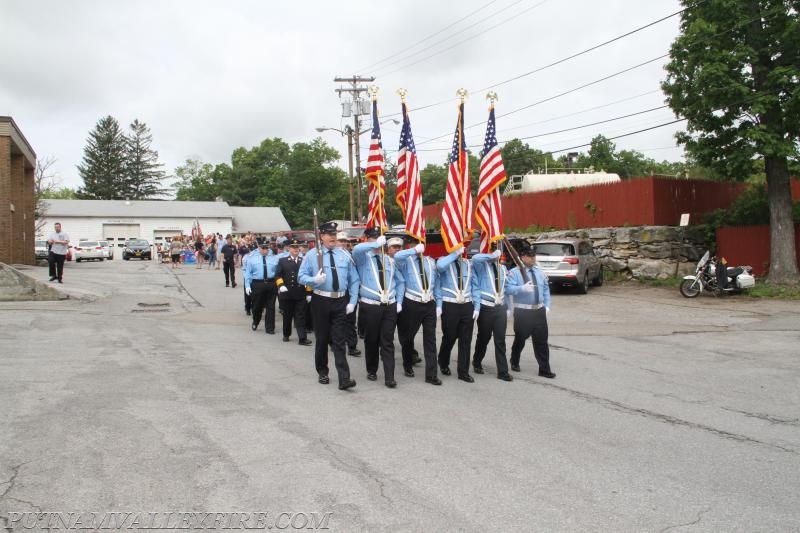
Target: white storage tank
535, 182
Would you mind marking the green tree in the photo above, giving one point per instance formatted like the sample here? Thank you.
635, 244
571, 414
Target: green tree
195, 181
312, 181
519, 158
143, 172
733, 74
103, 166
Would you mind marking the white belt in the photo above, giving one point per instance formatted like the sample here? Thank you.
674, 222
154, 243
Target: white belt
528, 306
488, 303
330, 294
422, 300
464, 300
374, 302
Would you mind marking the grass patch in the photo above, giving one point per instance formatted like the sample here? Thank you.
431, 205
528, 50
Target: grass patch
777, 292
669, 282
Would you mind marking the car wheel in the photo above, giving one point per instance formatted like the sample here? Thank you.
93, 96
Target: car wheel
77, 260
125, 258
583, 288
598, 281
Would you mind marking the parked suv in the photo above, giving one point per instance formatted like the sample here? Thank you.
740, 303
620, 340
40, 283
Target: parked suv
138, 248
569, 263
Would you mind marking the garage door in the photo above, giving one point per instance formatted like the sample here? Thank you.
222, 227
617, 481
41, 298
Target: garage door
119, 233
163, 236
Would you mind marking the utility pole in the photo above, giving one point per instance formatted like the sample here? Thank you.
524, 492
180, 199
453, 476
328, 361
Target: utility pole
349, 131
355, 91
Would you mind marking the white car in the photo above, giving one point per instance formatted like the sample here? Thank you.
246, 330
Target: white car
41, 250
108, 249
89, 250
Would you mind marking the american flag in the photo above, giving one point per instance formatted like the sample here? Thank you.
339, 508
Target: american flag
409, 190
376, 215
489, 210
457, 209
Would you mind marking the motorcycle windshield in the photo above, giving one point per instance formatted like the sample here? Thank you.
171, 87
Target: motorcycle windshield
703, 260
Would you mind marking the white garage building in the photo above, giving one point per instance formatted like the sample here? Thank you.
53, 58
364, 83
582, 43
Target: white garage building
119, 220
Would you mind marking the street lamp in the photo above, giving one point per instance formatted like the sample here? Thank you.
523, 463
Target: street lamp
351, 134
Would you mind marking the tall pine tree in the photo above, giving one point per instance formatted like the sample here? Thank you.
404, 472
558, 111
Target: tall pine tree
103, 166
144, 173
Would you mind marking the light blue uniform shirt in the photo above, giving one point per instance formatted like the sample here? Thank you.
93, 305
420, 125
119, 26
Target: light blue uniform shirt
367, 261
254, 268
487, 281
407, 262
541, 295
345, 268
449, 282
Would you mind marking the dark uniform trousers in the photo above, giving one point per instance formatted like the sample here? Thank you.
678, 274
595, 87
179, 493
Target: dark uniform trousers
492, 324
229, 269
379, 324
531, 323
248, 300
56, 264
264, 293
294, 310
457, 324
329, 324
414, 315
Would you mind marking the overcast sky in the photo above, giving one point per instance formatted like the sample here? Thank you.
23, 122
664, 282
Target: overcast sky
210, 76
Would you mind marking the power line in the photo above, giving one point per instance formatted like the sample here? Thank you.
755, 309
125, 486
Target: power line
463, 40
431, 36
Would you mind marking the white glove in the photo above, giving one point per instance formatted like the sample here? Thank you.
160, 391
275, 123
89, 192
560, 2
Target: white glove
320, 278
350, 308
283, 289
475, 315
308, 298
459, 250
399, 307
528, 287
547, 311
496, 254
420, 248
247, 291
380, 241
438, 311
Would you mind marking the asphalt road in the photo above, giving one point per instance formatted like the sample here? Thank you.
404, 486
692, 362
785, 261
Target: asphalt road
147, 392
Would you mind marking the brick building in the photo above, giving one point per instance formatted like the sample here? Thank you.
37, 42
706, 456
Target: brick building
17, 168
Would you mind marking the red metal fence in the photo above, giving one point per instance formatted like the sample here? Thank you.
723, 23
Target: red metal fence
749, 245
637, 202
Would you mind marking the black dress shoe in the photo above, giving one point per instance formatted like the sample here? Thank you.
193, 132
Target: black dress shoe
391, 383
254, 326
52, 278
505, 376
227, 284
549, 375
409, 372
446, 371
324, 379
515, 368
286, 339
355, 352
478, 369
372, 377
247, 312
415, 360
268, 332
305, 342
234, 285
347, 384
433, 381
467, 378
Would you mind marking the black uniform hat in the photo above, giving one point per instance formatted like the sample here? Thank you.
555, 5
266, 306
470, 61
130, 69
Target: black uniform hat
527, 250
328, 228
294, 242
372, 233
264, 244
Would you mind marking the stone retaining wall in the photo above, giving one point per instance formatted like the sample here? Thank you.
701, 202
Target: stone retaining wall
640, 252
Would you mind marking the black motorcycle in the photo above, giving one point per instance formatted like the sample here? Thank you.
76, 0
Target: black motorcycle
718, 279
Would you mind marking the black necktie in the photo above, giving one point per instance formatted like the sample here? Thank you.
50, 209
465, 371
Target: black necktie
458, 271
380, 271
496, 277
334, 273
424, 277
264, 262
535, 288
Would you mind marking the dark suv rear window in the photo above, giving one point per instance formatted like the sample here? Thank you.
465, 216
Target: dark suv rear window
553, 248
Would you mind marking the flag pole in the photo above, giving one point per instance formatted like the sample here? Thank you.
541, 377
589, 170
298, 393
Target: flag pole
423, 276
492, 97
462, 94
373, 91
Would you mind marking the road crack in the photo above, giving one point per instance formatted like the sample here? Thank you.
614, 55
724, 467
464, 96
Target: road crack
695, 521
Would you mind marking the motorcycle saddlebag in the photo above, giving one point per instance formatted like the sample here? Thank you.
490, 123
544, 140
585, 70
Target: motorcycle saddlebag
745, 280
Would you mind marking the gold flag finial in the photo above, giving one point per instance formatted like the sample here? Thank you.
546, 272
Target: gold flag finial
402, 92
373, 91
462, 93
492, 97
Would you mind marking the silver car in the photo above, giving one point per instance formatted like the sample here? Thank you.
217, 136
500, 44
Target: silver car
41, 250
569, 263
89, 250
108, 249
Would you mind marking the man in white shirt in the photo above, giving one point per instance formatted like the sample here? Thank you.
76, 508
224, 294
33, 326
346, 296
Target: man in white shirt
59, 245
